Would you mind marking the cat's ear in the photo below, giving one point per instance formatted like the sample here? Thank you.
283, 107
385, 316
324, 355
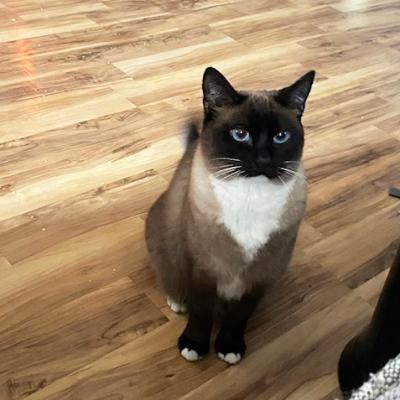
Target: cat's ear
295, 95
217, 91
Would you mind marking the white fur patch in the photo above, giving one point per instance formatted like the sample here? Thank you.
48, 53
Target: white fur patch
175, 306
230, 358
251, 209
190, 355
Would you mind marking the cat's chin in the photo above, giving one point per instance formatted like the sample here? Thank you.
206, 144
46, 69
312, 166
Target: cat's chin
273, 178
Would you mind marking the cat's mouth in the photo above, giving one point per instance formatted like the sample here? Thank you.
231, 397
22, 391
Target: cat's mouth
272, 173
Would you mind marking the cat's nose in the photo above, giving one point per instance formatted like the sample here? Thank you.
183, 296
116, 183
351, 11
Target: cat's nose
263, 161
266, 166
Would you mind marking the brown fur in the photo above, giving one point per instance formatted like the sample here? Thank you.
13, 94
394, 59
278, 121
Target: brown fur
189, 248
227, 224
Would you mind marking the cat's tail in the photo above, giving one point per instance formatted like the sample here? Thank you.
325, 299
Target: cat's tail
191, 133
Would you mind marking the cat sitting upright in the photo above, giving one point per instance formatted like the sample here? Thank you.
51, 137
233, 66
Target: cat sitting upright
227, 224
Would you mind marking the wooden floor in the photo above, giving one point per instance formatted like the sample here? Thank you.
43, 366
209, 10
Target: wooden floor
93, 95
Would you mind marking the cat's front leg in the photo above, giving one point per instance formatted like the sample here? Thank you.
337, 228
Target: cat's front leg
194, 342
230, 343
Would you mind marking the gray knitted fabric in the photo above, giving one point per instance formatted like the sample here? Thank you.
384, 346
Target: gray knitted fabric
384, 385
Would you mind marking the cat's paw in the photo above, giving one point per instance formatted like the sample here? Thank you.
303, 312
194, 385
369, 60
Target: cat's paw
230, 349
230, 358
190, 355
175, 306
190, 349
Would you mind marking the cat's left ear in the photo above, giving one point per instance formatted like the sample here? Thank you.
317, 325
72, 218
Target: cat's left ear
217, 91
295, 96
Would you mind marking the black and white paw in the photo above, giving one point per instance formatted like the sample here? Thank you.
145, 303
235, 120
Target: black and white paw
231, 350
190, 349
176, 306
190, 354
230, 358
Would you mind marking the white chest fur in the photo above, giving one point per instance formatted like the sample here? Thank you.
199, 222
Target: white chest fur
251, 209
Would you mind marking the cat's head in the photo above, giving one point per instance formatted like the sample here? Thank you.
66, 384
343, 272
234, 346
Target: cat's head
253, 133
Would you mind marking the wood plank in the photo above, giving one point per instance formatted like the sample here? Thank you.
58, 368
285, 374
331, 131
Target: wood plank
162, 375
59, 221
71, 268
18, 29
5, 267
94, 96
347, 250
362, 178
28, 79
266, 27
76, 146
118, 315
57, 111
372, 289
54, 189
67, 8
316, 343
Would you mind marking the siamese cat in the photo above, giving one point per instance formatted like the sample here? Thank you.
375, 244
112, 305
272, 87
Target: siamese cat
225, 228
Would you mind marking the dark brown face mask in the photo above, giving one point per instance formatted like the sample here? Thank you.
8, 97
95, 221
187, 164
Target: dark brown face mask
260, 131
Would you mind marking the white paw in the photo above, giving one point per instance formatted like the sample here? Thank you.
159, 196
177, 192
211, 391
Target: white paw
190, 355
230, 358
176, 307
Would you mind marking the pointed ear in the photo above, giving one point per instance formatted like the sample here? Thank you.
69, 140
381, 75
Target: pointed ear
217, 91
295, 96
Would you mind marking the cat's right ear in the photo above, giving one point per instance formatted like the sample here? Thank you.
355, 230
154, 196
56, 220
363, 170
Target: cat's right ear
294, 97
217, 91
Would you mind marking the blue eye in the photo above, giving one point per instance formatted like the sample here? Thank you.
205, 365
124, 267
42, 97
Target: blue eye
281, 137
240, 135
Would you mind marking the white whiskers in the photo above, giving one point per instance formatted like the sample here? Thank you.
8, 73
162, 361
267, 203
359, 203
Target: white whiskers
292, 172
292, 162
226, 169
229, 170
226, 159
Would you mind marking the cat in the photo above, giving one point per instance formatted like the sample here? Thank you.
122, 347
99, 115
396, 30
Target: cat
225, 228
